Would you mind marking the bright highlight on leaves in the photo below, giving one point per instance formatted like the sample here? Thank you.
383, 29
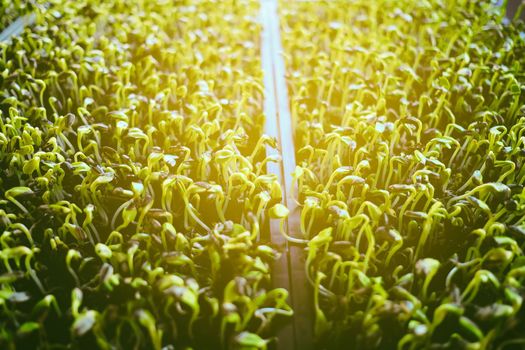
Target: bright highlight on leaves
133, 185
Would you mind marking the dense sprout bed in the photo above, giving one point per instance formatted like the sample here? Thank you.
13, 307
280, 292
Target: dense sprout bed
409, 127
133, 190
